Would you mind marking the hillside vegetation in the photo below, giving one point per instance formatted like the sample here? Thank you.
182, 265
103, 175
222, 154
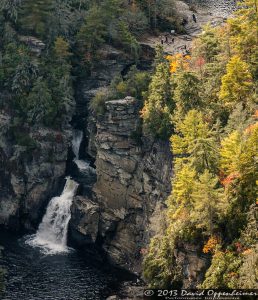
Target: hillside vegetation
206, 105
46, 45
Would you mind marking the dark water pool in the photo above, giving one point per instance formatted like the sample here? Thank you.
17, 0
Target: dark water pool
32, 275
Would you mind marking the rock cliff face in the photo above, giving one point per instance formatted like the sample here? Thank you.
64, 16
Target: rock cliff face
192, 262
32, 163
133, 180
29, 174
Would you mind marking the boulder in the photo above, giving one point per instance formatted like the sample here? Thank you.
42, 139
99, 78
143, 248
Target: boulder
85, 221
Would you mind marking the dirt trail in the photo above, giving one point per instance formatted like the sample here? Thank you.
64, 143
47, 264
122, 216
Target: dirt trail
205, 11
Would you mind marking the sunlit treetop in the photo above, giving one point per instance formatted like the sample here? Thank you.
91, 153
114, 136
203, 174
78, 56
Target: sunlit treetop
179, 62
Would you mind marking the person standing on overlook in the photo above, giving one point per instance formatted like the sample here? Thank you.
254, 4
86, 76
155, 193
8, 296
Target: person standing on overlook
194, 18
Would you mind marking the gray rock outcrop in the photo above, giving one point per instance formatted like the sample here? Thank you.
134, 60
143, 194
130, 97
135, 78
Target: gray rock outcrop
85, 220
29, 173
133, 180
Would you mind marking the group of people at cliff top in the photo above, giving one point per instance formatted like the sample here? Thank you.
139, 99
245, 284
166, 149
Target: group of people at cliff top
165, 39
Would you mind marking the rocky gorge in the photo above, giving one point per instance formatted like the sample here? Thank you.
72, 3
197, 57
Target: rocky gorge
123, 193
132, 174
133, 181
28, 180
119, 203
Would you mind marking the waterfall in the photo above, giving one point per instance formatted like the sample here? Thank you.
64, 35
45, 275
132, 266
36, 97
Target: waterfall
77, 139
76, 143
52, 232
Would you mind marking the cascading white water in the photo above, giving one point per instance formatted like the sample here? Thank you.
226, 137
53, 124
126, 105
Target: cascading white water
77, 139
52, 232
76, 143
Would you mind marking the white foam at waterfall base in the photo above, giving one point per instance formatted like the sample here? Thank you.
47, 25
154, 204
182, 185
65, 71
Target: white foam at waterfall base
51, 236
82, 164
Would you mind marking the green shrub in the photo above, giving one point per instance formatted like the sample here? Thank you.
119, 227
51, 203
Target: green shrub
21, 136
161, 269
97, 104
23, 139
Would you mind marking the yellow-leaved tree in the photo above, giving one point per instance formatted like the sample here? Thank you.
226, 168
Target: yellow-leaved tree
237, 83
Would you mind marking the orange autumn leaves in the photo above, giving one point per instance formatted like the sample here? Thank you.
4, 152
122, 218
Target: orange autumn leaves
211, 245
214, 242
179, 62
225, 181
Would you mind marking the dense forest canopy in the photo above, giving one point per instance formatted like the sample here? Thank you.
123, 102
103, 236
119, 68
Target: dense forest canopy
210, 114
70, 33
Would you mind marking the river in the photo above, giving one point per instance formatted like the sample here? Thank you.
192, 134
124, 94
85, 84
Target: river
31, 275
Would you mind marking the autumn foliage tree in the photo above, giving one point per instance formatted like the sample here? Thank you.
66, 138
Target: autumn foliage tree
237, 83
215, 146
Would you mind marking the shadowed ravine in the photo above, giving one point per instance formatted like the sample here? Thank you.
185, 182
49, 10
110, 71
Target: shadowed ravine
42, 266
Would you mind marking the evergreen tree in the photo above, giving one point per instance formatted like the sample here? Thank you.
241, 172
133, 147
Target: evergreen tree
223, 271
187, 93
159, 105
34, 16
157, 11
237, 83
194, 139
231, 149
207, 45
208, 203
127, 39
238, 120
92, 34
10, 8
183, 187
61, 49
160, 266
244, 32
62, 20
40, 105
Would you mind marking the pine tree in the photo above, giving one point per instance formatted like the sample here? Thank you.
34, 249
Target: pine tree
159, 105
187, 93
39, 105
92, 34
62, 20
61, 49
207, 45
208, 203
160, 268
10, 7
231, 149
193, 138
244, 32
183, 186
237, 83
34, 16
